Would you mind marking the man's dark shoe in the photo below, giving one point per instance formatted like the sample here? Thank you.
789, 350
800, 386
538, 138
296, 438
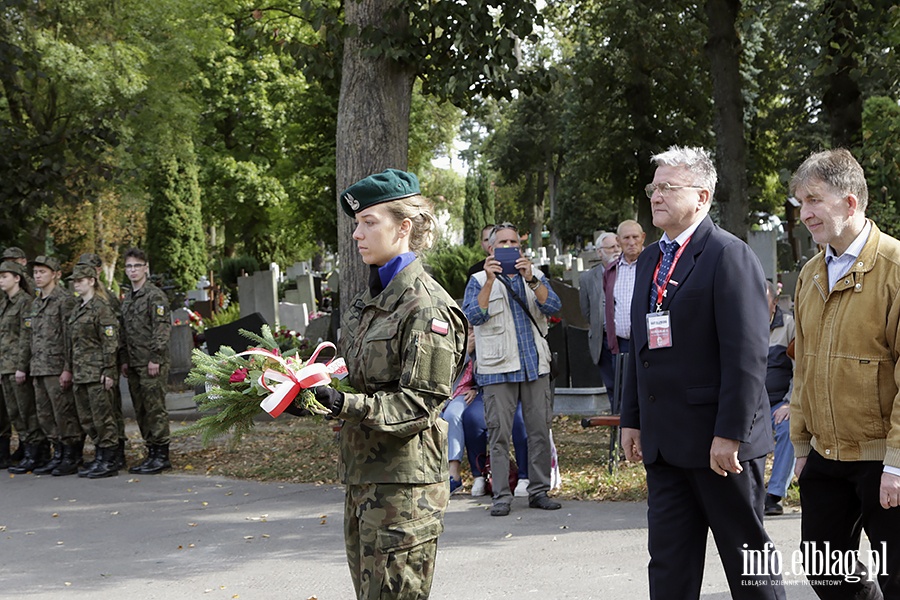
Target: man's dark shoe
543, 502
501, 509
773, 506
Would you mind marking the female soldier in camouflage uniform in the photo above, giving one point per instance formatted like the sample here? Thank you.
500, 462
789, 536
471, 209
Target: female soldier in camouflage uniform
93, 343
403, 340
17, 389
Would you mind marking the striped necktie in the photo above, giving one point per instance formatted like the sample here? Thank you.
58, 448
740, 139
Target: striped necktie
669, 250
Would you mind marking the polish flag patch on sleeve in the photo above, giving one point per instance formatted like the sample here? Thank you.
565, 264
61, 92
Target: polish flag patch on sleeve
440, 327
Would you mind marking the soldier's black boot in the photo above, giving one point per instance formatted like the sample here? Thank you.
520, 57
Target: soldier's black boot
159, 462
87, 466
55, 459
71, 456
19, 454
30, 460
4, 453
151, 450
104, 464
120, 456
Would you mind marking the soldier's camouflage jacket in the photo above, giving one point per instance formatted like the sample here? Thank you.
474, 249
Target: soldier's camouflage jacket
14, 350
45, 328
404, 348
146, 325
93, 341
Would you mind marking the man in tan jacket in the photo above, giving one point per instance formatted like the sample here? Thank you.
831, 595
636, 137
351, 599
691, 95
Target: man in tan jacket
845, 410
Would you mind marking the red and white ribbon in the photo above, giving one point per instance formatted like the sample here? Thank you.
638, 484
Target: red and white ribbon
286, 385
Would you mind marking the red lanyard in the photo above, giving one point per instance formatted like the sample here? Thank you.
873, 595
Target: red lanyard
661, 289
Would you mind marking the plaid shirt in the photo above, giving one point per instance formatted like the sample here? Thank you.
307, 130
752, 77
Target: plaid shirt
524, 329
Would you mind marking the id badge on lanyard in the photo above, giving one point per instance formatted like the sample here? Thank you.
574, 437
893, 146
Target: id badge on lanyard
659, 330
659, 323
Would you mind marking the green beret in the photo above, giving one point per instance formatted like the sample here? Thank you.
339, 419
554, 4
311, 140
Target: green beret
392, 184
8, 266
50, 262
89, 258
83, 272
12, 252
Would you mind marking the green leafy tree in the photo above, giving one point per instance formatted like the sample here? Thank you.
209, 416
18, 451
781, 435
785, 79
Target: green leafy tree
628, 96
175, 238
68, 81
880, 157
479, 205
458, 50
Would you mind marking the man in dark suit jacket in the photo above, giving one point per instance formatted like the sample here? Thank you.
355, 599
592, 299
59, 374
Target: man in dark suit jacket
695, 408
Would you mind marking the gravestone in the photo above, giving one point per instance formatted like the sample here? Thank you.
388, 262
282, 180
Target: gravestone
258, 293
570, 312
552, 253
306, 291
229, 334
297, 269
318, 330
181, 344
293, 316
204, 307
763, 244
556, 338
181, 316
333, 281
584, 372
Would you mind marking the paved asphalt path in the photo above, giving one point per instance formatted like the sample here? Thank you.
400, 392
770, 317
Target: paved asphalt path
192, 536
184, 536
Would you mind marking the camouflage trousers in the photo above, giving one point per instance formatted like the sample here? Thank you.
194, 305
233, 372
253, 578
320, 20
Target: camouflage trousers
148, 396
6, 416
391, 533
117, 409
56, 410
97, 415
22, 409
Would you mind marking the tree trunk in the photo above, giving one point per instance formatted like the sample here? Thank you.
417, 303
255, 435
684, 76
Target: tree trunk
842, 99
372, 126
724, 50
644, 118
553, 175
537, 214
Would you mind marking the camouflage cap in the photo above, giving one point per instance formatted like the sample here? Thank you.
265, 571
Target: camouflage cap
12, 252
83, 271
8, 266
388, 185
50, 262
89, 258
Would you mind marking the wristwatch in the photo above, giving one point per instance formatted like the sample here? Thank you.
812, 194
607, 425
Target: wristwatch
534, 282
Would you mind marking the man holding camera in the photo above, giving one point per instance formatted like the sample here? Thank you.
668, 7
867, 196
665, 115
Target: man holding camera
508, 304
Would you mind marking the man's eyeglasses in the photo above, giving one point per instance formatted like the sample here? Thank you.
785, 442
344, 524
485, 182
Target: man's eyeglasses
665, 186
504, 225
135, 266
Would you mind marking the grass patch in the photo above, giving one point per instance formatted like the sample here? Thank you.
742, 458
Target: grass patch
306, 451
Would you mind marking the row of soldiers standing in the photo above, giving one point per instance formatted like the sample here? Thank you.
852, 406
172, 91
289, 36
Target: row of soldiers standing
60, 359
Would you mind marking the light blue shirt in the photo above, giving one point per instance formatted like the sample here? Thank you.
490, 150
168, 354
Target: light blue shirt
839, 265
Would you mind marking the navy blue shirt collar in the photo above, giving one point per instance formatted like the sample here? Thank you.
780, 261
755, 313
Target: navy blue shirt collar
394, 266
